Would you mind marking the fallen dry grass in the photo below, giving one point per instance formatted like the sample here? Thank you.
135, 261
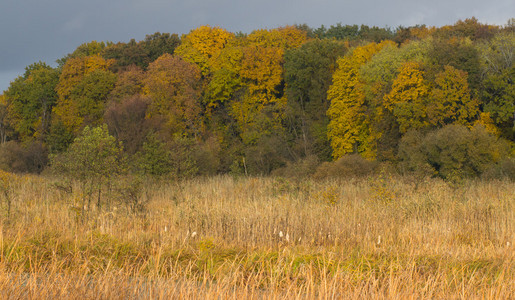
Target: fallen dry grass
261, 238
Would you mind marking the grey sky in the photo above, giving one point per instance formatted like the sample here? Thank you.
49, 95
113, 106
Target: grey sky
33, 30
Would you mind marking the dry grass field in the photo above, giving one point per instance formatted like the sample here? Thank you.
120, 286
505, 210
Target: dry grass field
263, 238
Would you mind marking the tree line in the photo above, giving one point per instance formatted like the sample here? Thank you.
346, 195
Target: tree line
437, 100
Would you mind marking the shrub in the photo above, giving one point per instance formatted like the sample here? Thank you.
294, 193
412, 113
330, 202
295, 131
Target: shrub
18, 158
304, 167
452, 152
158, 158
353, 165
502, 170
267, 154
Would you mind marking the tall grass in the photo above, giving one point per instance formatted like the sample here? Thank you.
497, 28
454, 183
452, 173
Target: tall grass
254, 238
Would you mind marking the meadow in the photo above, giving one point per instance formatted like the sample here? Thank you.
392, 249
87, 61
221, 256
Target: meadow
224, 237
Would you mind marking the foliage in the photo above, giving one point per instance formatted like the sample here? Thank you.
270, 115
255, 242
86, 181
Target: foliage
31, 157
126, 55
94, 155
127, 121
93, 159
268, 100
348, 129
203, 45
158, 44
308, 74
30, 99
174, 158
408, 98
458, 53
83, 87
4, 126
174, 88
348, 166
450, 101
452, 152
498, 88
130, 82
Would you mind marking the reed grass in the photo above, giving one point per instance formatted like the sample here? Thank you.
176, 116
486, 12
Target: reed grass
384, 237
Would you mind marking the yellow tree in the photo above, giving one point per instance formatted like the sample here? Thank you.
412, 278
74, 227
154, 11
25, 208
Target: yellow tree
408, 98
348, 129
284, 37
261, 71
203, 45
173, 85
450, 100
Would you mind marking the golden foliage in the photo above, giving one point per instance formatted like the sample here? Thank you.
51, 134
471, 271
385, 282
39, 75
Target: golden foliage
284, 37
203, 45
348, 129
408, 98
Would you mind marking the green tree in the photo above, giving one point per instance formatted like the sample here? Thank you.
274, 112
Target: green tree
173, 158
93, 159
158, 44
127, 54
87, 49
308, 74
3, 120
30, 99
461, 54
498, 85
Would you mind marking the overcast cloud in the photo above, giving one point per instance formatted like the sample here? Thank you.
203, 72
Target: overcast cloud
34, 30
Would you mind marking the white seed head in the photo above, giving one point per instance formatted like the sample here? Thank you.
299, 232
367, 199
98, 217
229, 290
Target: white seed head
193, 234
281, 234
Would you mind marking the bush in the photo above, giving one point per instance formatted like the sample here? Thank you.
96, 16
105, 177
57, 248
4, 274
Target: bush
267, 154
452, 152
175, 158
505, 169
304, 167
353, 165
18, 158
207, 157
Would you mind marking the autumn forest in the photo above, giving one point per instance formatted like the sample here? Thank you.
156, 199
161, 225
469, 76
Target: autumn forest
341, 162
291, 100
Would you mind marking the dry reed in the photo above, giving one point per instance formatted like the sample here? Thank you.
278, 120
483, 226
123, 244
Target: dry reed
264, 238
